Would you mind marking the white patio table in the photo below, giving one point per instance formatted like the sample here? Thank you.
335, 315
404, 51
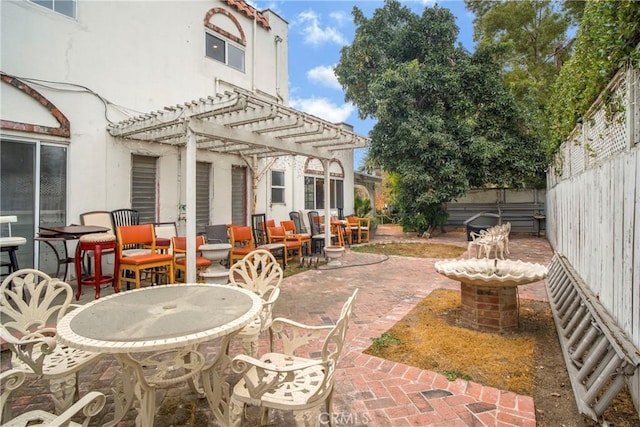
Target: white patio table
155, 333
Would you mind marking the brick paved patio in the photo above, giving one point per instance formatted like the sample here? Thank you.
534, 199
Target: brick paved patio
369, 391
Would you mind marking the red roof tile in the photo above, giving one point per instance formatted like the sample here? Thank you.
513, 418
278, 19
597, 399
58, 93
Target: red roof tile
249, 11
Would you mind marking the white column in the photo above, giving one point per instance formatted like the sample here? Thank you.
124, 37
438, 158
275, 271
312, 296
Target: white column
191, 205
327, 204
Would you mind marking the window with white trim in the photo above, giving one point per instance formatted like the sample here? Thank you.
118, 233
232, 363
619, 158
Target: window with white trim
65, 7
277, 186
224, 51
314, 193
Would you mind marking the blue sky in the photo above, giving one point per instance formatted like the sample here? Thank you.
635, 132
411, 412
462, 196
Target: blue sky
318, 29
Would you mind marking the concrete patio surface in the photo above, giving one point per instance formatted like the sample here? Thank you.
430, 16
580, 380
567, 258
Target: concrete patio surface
369, 391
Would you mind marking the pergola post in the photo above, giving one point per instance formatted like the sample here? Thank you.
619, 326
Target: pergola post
327, 204
190, 276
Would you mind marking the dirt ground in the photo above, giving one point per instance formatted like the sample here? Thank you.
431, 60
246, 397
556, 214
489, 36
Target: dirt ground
528, 361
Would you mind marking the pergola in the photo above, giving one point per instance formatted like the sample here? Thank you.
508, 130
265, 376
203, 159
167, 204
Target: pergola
242, 123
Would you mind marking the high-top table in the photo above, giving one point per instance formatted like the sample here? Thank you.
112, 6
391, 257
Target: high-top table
63, 234
160, 329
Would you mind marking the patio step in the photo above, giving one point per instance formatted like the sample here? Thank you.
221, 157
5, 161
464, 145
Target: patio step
598, 354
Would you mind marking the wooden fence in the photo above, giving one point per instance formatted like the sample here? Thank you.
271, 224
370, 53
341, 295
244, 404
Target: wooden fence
515, 206
593, 205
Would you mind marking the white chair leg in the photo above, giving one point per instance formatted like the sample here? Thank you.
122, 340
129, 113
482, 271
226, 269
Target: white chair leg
64, 391
471, 244
236, 412
264, 420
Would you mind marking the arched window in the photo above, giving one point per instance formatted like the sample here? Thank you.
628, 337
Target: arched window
225, 40
314, 184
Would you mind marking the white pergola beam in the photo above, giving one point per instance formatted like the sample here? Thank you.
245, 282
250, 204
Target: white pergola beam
235, 135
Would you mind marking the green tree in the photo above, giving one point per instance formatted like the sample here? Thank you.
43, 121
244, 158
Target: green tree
445, 120
530, 41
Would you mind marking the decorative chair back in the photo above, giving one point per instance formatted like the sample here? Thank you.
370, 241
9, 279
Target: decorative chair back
217, 233
289, 226
314, 222
241, 236
165, 231
334, 341
258, 272
31, 301
258, 224
125, 217
276, 234
180, 244
8, 220
31, 304
135, 235
121, 217
295, 217
99, 218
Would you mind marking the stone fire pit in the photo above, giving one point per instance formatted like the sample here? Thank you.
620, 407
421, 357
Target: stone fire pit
488, 290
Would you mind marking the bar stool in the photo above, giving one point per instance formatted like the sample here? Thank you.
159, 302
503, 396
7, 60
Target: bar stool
97, 242
10, 243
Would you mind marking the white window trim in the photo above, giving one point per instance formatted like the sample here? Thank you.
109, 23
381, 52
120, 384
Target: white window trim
52, 9
227, 43
282, 187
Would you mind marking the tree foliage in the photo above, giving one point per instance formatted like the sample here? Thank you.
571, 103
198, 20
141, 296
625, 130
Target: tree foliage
608, 36
445, 121
530, 41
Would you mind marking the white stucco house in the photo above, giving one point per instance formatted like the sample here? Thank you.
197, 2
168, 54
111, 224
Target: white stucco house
178, 109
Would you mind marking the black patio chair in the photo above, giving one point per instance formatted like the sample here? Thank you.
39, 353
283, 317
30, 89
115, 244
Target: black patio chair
261, 239
125, 217
295, 217
317, 237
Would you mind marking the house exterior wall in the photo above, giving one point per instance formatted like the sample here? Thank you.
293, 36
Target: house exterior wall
120, 59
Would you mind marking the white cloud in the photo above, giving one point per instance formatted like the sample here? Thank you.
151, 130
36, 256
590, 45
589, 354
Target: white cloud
325, 76
314, 33
323, 108
341, 17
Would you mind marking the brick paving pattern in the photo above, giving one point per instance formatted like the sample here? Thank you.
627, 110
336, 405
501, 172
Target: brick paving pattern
369, 391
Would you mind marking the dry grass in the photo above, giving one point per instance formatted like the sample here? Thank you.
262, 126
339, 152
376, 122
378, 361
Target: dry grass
429, 338
418, 250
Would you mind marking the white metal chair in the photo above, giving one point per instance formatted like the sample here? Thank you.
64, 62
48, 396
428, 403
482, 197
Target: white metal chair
289, 382
260, 273
31, 304
90, 405
495, 238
